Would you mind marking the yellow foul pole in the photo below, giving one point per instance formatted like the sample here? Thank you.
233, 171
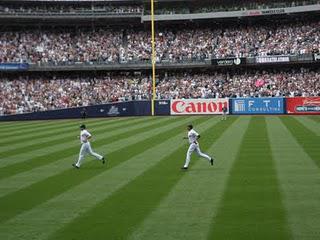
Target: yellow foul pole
153, 59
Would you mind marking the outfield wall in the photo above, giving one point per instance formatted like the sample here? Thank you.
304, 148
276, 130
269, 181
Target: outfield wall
234, 106
123, 109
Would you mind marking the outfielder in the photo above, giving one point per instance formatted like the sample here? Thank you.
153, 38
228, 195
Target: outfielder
193, 137
86, 147
224, 113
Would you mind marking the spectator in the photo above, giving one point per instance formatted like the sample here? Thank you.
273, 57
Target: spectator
30, 94
109, 46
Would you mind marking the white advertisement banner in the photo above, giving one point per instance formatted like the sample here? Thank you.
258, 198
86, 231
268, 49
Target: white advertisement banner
273, 59
199, 106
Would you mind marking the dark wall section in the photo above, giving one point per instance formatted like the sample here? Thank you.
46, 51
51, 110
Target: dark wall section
136, 108
162, 107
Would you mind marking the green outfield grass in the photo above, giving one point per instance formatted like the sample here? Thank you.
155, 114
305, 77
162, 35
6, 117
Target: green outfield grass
265, 182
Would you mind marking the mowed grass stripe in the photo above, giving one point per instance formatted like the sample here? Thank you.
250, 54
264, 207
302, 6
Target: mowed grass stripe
69, 149
51, 124
60, 129
43, 136
4, 124
125, 146
62, 147
14, 130
117, 216
43, 220
299, 179
187, 211
7, 128
314, 118
15, 125
52, 134
66, 135
31, 128
41, 129
309, 124
33, 122
66, 179
306, 138
252, 207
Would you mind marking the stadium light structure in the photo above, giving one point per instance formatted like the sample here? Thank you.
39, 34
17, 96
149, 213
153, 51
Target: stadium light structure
153, 60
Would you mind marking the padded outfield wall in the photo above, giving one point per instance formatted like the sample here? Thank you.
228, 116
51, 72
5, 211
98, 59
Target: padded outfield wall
235, 106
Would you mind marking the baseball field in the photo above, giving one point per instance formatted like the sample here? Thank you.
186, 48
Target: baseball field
264, 184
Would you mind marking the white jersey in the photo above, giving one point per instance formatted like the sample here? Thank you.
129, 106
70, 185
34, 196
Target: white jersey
84, 134
192, 136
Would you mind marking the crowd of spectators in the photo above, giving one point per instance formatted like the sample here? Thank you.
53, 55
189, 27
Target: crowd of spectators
193, 44
32, 94
290, 83
39, 93
60, 46
66, 46
236, 41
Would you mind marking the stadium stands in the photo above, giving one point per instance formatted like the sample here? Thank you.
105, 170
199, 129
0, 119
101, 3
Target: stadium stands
39, 93
120, 45
61, 46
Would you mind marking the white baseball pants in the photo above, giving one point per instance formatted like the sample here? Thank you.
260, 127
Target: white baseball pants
195, 147
86, 149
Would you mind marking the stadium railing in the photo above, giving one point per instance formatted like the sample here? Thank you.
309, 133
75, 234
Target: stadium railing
175, 63
236, 7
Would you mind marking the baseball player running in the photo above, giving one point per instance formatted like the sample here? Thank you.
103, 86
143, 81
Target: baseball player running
86, 147
193, 137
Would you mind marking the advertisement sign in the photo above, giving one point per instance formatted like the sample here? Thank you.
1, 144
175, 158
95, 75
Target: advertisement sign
13, 66
258, 106
114, 111
198, 106
303, 105
228, 61
265, 12
273, 59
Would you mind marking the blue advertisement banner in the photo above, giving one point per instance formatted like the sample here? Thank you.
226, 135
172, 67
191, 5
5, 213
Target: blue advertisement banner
13, 66
258, 106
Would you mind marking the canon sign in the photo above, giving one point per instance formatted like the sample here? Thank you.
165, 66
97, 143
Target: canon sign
198, 106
